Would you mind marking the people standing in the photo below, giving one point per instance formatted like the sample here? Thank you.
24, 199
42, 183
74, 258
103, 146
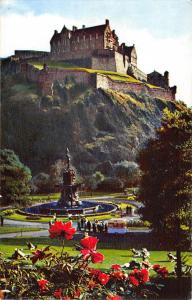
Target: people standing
2, 220
89, 225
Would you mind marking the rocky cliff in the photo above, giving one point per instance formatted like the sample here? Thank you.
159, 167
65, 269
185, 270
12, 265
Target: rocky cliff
96, 125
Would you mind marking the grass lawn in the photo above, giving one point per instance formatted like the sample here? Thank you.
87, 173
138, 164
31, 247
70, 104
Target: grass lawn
11, 229
112, 256
18, 217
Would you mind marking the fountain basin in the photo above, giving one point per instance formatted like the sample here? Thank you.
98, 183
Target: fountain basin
85, 208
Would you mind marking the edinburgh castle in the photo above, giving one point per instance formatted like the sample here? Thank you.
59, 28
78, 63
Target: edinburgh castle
91, 48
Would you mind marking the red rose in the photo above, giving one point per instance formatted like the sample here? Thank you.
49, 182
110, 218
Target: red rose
133, 280
42, 283
66, 298
89, 244
113, 297
118, 274
94, 272
155, 267
58, 293
163, 272
60, 229
139, 276
116, 267
144, 275
77, 293
103, 278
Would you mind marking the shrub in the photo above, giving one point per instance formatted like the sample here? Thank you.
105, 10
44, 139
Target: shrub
48, 274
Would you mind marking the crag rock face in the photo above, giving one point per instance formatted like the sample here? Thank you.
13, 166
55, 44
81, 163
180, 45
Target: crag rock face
97, 125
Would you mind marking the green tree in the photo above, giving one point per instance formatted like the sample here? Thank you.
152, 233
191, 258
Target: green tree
15, 178
128, 172
166, 180
95, 180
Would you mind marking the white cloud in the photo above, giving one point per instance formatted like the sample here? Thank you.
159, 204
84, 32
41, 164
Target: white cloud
29, 31
7, 3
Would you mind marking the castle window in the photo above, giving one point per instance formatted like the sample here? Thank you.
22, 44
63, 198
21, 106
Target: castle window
90, 37
84, 37
78, 39
96, 36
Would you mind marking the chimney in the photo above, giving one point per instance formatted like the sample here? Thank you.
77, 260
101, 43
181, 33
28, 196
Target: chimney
55, 31
74, 28
113, 32
107, 22
83, 26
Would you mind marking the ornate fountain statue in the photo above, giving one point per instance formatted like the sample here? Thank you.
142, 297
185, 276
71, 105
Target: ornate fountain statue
69, 193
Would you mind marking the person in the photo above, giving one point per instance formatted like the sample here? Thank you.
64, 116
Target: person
82, 222
94, 227
89, 225
79, 226
54, 217
2, 220
106, 227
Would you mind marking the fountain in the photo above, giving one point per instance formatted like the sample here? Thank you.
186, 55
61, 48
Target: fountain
69, 203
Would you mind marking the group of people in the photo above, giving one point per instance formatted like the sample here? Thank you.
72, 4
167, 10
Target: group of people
96, 226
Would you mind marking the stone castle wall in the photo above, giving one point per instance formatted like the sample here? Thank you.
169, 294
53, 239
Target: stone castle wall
46, 77
104, 82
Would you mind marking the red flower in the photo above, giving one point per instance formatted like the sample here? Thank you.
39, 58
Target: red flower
94, 272
42, 283
113, 297
118, 274
116, 267
77, 293
155, 267
162, 271
89, 244
39, 255
144, 275
58, 293
103, 278
139, 276
60, 229
133, 280
66, 298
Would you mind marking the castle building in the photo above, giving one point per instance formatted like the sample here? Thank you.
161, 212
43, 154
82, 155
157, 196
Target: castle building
95, 47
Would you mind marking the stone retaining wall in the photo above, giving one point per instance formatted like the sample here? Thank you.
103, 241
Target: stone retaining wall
47, 76
104, 82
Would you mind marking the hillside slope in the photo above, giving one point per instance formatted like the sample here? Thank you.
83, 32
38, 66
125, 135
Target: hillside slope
96, 125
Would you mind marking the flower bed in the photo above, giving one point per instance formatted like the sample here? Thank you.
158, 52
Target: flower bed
48, 274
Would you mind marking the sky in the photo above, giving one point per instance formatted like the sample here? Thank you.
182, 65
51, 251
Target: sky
160, 30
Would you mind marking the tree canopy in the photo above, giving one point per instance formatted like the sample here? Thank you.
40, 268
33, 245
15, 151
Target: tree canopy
15, 178
166, 173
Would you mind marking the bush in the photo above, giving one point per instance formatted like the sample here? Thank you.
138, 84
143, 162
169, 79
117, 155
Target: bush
48, 274
7, 212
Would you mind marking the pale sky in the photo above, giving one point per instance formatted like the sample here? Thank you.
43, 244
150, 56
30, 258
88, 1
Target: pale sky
160, 30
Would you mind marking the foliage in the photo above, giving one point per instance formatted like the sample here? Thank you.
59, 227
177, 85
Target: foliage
95, 180
165, 185
128, 172
45, 273
15, 178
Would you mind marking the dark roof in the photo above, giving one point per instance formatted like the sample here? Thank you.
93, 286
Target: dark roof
89, 30
128, 49
154, 72
82, 31
55, 37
